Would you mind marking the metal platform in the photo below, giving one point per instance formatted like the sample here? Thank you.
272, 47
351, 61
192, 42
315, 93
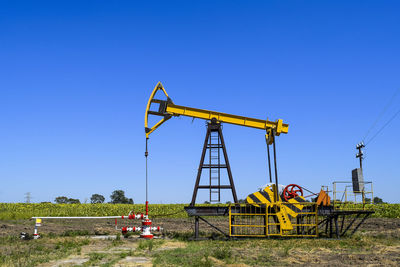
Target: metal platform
313, 221
207, 210
339, 222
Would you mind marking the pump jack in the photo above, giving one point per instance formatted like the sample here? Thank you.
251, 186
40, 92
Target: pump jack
267, 212
214, 140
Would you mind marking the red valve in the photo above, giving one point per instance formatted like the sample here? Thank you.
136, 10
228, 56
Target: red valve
292, 191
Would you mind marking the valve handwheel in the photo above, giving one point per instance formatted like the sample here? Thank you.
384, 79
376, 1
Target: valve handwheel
292, 191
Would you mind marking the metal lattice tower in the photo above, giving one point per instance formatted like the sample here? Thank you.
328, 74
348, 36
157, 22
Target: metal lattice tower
217, 159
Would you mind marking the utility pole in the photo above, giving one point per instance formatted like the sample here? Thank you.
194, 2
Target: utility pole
360, 153
28, 197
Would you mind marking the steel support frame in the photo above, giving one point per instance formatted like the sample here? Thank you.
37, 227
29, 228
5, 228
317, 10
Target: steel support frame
333, 220
214, 126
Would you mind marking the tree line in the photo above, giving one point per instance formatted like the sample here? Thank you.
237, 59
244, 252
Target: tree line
117, 197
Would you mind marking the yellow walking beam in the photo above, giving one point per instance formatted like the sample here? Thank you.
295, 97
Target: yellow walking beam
167, 109
176, 110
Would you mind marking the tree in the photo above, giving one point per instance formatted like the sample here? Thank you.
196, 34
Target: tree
73, 201
61, 200
378, 200
65, 200
118, 197
96, 198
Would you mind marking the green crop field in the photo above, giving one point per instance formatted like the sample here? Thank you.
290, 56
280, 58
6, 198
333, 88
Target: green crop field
26, 211
12, 211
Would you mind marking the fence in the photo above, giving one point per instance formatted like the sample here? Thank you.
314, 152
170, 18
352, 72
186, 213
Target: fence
274, 219
345, 198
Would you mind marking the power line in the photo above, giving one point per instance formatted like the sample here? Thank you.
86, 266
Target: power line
381, 114
383, 127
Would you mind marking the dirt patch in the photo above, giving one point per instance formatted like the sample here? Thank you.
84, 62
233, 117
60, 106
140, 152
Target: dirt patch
103, 226
70, 261
381, 227
135, 261
57, 227
375, 224
172, 245
98, 252
345, 257
372, 226
123, 253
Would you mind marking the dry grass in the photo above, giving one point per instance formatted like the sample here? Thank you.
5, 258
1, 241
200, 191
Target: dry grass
358, 250
17, 252
378, 243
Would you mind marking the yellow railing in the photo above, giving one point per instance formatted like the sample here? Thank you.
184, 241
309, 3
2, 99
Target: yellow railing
344, 198
266, 220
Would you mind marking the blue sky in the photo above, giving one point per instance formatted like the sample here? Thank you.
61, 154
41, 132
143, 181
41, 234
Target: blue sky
76, 76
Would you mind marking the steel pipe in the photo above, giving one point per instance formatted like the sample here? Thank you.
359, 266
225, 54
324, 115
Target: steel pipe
87, 217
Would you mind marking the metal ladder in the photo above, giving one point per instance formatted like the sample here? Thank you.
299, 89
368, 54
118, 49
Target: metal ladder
214, 150
217, 158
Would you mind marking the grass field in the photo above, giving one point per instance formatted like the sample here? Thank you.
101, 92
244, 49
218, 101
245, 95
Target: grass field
80, 248
76, 243
12, 211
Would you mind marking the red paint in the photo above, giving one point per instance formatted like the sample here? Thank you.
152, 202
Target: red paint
147, 222
147, 236
292, 191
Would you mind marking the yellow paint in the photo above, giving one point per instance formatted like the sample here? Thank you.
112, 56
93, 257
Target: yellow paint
176, 110
296, 203
252, 221
159, 86
260, 197
289, 211
284, 219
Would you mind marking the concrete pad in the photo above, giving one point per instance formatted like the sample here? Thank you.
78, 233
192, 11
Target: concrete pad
134, 261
